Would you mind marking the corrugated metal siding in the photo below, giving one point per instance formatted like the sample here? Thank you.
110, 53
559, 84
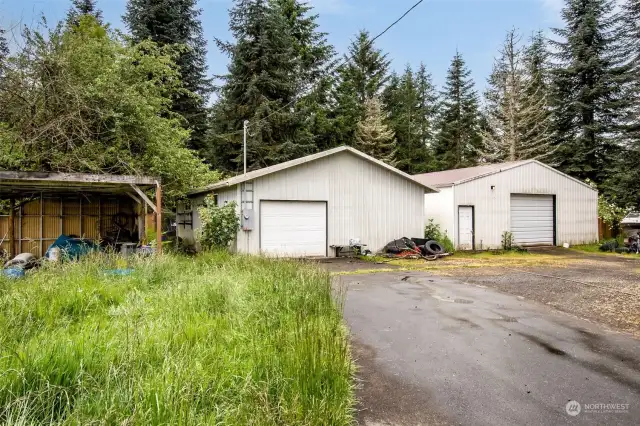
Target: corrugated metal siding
363, 200
576, 204
439, 207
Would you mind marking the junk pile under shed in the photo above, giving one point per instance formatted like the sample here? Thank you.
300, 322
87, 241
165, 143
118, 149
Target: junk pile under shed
69, 214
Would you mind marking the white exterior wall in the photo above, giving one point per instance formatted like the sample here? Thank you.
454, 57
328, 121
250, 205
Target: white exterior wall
189, 233
439, 207
363, 199
576, 204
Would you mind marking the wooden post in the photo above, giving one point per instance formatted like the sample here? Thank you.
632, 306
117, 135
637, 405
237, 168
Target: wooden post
12, 238
159, 218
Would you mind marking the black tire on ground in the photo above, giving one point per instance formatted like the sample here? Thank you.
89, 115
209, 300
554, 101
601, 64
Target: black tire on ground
433, 247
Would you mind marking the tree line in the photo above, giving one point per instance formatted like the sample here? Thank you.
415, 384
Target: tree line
92, 98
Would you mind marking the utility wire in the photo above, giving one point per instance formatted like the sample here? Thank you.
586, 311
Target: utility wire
347, 59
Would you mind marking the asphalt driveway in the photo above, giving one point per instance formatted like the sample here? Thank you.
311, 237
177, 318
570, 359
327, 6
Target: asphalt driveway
432, 350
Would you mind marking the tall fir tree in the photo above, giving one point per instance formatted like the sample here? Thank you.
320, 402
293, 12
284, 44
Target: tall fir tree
83, 7
407, 100
459, 141
260, 86
315, 57
517, 111
362, 77
177, 22
427, 109
4, 46
588, 89
373, 137
622, 187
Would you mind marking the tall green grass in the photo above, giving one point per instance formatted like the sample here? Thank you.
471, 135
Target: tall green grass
216, 339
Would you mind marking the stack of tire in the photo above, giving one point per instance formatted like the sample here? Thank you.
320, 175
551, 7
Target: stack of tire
428, 247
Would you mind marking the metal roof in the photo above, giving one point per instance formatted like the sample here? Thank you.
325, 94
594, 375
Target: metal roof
458, 176
303, 160
16, 184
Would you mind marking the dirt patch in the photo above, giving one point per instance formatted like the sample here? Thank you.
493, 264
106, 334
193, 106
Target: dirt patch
604, 291
384, 399
351, 265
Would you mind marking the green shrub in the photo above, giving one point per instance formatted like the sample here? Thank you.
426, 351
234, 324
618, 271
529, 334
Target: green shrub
507, 241
220, 224
433, 232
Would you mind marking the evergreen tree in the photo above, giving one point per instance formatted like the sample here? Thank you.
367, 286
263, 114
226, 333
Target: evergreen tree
260, 85
4, 46
408, 100
177, 22
315, 57
631, 40
458, 141
622, 187
427, 109
516, 105
362, 77
589, 80
83, 7
373, 137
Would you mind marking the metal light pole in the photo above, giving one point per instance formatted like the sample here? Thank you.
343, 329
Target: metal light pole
246, 123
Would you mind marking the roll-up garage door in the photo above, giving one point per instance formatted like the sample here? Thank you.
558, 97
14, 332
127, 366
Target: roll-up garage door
532, 219
293, 228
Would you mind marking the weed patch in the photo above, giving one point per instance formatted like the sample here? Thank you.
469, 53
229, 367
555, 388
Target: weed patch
216, 339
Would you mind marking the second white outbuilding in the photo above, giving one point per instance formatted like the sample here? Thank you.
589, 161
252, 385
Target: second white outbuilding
537, 204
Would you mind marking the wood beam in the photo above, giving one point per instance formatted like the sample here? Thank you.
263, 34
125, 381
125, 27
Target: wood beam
159, 218
145, 198
76, 178
134, 198
12, 237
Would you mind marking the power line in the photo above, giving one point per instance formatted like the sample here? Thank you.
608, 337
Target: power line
346, 60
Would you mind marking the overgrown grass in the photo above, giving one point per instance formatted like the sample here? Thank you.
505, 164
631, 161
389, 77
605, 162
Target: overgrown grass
216, 339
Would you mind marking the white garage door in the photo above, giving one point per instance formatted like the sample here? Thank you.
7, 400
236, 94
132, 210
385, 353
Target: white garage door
293, 228
532, 219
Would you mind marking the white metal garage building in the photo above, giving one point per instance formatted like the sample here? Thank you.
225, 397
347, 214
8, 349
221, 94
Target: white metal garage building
537, 203
304, 207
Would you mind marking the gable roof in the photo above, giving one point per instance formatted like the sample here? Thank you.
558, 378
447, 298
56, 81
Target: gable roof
303, 160
458, 176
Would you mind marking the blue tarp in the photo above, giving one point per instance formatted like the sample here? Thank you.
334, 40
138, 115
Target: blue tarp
72, 248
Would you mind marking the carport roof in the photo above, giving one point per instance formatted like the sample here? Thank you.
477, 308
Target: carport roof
458, 176
282, 166
17, 184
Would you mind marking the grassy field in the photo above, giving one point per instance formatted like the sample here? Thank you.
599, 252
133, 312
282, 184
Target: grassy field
216, 339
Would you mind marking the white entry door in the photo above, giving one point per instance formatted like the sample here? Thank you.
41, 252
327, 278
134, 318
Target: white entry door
532, 219
293, 228
465, 228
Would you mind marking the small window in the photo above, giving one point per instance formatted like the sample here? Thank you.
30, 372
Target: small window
215, 199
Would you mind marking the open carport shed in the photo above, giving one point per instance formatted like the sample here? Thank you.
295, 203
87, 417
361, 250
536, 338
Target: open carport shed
537, 204
37, 207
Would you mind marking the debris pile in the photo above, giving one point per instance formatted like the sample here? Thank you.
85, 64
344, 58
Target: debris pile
415, 248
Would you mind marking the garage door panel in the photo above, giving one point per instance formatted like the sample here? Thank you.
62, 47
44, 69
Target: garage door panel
532, 219
293, 228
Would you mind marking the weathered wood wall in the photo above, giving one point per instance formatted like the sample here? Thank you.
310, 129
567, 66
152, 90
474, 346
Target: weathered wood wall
37, 223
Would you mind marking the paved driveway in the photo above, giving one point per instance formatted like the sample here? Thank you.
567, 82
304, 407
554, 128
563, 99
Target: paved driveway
432, 350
